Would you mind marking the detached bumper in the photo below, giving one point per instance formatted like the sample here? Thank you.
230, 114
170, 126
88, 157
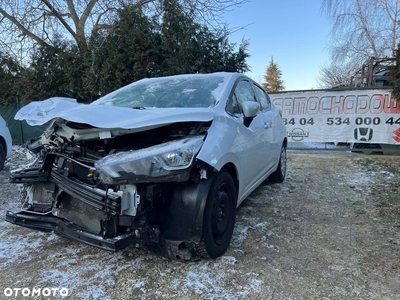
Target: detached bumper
49, 223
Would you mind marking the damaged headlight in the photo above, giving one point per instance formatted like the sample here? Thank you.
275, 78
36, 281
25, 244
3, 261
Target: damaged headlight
156, 161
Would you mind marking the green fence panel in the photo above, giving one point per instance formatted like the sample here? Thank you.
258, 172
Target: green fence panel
20, 130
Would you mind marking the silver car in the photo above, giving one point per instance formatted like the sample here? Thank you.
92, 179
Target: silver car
5, 143
162, 161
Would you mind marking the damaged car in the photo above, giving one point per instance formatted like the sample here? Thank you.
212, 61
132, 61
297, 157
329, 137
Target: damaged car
163, 162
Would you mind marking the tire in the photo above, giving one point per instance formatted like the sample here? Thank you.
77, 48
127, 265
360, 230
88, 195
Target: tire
279, 175
367, 148
219, 216
2, 157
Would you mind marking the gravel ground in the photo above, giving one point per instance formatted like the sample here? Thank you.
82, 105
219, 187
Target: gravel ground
330, 231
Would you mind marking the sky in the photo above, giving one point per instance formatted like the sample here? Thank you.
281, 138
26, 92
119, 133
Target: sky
295, 33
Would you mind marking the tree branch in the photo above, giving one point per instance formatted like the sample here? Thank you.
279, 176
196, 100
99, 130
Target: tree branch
61, 19
72, 11
365, 28
24, 30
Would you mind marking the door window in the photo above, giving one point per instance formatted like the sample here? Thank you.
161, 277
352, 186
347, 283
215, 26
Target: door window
243, 92
262, 98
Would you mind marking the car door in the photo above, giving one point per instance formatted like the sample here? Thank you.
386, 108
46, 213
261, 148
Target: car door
269, 115
250, 145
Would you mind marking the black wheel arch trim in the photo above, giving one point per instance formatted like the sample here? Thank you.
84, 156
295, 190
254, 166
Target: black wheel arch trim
185, 211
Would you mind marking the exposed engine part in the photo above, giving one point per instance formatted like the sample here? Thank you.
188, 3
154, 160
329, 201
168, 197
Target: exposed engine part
129, 200
64, 188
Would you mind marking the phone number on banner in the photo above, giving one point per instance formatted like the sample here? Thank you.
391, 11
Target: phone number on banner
342, 121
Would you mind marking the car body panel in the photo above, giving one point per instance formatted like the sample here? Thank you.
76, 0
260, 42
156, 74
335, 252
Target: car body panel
6, 136
229, 141
39, 113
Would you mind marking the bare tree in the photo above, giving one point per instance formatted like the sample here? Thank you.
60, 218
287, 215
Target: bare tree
334, 75
26, 23
362, 29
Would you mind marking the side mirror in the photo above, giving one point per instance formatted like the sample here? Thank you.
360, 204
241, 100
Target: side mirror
250, 110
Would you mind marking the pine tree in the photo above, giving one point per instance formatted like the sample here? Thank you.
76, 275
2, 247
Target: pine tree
54, 71
127, 52
273, 81
10, 71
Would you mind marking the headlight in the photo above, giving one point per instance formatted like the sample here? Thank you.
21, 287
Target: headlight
153, 162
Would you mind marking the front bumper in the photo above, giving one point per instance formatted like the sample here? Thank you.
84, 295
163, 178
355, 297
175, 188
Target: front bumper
49, 223
61, 227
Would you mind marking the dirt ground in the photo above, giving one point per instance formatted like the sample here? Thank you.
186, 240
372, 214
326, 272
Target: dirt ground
330, 231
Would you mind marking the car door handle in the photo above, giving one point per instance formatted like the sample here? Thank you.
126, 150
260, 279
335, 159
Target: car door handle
267, 125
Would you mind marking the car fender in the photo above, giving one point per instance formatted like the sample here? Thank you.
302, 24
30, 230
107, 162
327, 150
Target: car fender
220, 141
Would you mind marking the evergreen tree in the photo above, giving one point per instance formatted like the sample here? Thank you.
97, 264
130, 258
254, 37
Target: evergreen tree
178, 39
190, 47
10, 71
129, 51
135, 46
52, 72
138, 46
273, 81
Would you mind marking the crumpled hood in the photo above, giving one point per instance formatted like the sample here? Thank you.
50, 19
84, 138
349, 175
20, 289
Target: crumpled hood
107, 117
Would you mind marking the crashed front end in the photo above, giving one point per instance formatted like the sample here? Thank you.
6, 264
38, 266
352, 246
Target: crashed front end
112, 188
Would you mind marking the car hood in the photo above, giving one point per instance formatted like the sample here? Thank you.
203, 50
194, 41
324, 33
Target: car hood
107, 117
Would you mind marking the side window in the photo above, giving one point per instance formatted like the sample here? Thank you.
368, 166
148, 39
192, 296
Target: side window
262, 98
243, 92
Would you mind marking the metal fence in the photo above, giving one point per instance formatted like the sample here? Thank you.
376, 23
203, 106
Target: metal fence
365, 148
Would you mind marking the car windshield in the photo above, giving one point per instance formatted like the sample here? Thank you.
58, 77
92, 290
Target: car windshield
174, 91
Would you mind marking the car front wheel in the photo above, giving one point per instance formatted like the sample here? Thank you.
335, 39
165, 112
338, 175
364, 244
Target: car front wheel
219, 216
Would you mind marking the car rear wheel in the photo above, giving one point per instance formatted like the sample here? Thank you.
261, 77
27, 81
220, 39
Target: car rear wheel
219, 216
2, 157
280, 173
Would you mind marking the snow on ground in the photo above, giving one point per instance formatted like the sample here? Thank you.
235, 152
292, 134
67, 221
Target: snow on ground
90, 273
